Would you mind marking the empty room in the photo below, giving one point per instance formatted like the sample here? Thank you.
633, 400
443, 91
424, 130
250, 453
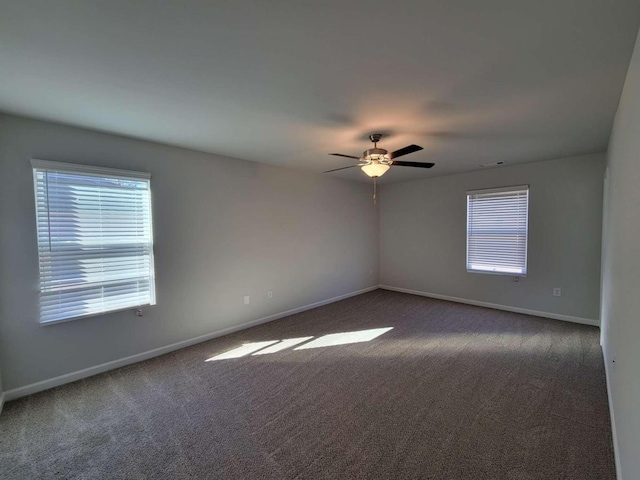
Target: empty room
320, 240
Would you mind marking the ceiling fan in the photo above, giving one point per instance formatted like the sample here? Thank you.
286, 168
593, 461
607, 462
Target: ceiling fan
376, 161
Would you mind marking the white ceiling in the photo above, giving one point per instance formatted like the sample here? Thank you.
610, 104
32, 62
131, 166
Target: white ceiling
286, 82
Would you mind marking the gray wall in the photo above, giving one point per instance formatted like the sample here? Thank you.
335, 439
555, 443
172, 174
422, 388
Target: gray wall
621, 274
1, 395
423, 236
223, 228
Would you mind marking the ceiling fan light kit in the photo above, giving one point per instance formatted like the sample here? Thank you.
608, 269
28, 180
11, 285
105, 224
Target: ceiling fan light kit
376, 161
375, 170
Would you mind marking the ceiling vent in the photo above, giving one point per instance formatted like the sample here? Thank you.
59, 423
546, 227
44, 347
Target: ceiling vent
493, 164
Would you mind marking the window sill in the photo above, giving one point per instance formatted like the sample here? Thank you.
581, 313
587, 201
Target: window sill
504, 274
98, 314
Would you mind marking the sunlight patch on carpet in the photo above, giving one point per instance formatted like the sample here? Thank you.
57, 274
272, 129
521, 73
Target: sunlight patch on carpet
345, 338
284, 344
274, 346
245, 349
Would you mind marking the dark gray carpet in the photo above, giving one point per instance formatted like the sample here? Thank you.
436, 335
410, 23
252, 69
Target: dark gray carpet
451, 392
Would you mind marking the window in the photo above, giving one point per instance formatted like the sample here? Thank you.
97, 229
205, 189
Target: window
95, 240
497, 225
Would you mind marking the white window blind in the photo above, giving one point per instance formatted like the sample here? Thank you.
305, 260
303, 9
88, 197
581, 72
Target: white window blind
95, 240
497, 227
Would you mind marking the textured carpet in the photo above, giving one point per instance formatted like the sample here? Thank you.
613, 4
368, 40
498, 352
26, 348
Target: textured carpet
450, 392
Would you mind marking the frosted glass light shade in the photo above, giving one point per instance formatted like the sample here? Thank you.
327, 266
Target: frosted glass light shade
375, 169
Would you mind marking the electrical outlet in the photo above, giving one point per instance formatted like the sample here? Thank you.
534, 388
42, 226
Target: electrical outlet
557, 292
371, 272
270, 294
246, 299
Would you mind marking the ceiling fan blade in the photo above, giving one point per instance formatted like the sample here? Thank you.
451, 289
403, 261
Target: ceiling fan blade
413, 164
336, 169
405, 151
346, 156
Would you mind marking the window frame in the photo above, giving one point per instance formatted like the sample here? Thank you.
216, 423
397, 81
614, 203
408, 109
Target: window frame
512, 188
96, 171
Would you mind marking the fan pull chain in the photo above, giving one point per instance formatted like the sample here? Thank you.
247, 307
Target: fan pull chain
374, 189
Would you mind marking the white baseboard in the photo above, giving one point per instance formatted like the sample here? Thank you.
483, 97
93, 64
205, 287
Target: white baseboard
616, 452
555, 316
88, 372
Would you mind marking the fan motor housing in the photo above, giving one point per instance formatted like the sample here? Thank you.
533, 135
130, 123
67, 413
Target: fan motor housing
375, 152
